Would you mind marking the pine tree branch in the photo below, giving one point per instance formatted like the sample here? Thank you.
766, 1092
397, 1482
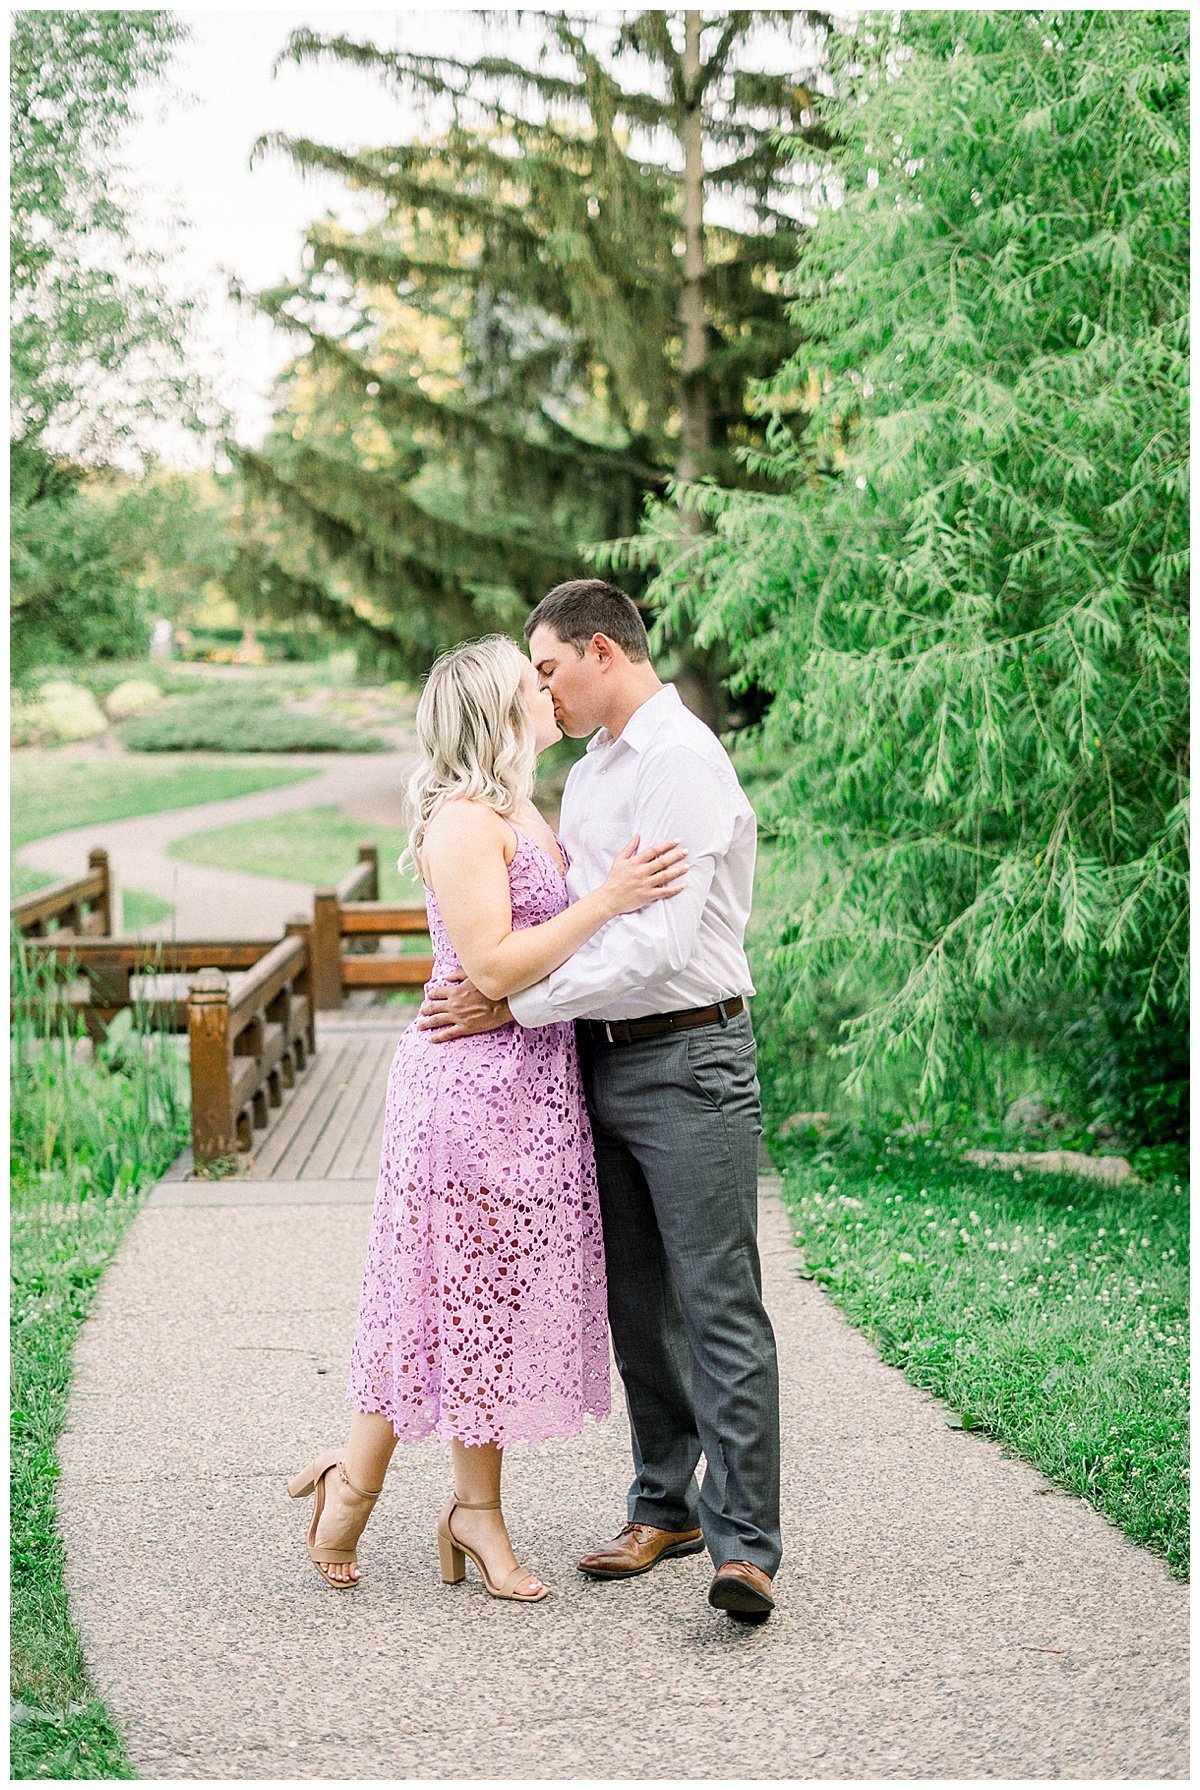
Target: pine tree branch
368, 172
382, 513
265, 588
458, 423
437, 74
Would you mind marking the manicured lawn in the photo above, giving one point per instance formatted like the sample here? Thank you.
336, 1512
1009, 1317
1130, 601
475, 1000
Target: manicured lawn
316, 845
139, 908
58, 788
1049, 1311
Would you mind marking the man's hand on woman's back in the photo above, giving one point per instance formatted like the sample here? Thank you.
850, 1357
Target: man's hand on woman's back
456, 1009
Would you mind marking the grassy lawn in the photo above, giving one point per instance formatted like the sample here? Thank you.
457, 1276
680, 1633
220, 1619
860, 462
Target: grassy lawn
56, 789
1051, 1312
316, 845
139, 908
57, 1255
89, 1139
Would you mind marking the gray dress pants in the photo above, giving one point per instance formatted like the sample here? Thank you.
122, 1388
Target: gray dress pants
676, 1122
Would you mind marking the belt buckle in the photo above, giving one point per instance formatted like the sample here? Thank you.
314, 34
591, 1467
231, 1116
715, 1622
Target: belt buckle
607, 1024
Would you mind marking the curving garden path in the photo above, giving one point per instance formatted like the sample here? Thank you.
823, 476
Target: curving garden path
216, 904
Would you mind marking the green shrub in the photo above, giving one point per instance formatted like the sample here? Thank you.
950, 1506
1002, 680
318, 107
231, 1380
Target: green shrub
133, 696
61, 711
247, 720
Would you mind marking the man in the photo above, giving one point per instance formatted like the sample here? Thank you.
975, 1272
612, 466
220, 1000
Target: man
668, 1060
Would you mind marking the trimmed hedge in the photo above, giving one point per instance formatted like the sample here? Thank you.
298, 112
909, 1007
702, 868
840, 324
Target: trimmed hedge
253, 722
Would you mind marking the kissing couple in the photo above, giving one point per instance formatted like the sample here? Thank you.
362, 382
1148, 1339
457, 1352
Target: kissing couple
570, 1144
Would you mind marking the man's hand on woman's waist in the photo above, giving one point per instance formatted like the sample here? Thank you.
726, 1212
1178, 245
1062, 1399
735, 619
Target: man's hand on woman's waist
456, 1009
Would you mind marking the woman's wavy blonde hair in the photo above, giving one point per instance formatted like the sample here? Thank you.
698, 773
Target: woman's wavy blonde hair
474, 733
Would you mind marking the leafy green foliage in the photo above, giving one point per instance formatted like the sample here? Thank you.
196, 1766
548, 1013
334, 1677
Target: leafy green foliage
72, 591
968, 593
86, 303
249, 722
1047, 1311
97, 346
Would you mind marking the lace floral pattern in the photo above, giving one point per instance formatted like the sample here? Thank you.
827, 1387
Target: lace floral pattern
482, 1314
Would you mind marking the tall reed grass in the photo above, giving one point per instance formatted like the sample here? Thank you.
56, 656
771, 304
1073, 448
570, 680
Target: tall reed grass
86, 1123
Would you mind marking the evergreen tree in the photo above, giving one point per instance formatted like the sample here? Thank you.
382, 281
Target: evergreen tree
969, 590
604, 237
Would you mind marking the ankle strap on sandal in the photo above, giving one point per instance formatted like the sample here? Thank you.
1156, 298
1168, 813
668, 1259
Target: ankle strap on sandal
347, 1481
494, 1504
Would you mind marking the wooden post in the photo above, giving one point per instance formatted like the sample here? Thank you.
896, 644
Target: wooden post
98, 860
211, 1058
369, 854
301, 926
325, 951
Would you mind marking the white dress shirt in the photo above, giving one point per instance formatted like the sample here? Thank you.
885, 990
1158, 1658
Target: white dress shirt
665, 776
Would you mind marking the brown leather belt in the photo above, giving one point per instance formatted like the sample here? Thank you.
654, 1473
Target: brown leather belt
657, 1025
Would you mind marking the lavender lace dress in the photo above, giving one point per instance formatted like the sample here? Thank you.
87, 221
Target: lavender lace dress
482, 1314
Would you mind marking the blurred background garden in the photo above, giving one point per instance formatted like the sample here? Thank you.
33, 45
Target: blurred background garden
856, 349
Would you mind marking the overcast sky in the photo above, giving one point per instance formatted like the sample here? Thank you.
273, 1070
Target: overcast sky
190, 156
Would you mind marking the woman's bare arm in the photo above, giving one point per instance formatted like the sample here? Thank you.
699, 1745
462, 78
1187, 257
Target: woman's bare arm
465, 865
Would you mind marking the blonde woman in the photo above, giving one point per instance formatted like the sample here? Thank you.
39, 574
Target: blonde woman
482, 1314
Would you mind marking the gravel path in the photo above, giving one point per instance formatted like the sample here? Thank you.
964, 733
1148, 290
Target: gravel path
943, 1612
218, 904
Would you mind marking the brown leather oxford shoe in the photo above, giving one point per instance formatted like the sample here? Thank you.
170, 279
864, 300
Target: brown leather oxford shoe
743, 1591
637, 1548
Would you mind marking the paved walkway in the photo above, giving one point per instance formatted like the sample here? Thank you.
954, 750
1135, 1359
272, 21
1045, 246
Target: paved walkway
219, 904
943, 1612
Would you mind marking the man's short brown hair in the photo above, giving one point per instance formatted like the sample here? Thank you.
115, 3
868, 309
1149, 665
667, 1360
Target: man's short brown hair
586, 606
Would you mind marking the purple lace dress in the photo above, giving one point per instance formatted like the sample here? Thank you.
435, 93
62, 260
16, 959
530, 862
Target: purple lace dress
483, 1314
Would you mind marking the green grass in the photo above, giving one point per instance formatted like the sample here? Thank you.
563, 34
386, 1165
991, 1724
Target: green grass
248, 719
315, 845
57, 789
139, 908
1051, 1312
89, 1138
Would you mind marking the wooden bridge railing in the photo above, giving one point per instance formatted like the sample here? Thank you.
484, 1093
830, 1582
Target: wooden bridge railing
245, 1045
246, 1049
106, 967
348, 923
82, 906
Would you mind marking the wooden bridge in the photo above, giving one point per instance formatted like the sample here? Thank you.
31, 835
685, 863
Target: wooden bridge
289, 1040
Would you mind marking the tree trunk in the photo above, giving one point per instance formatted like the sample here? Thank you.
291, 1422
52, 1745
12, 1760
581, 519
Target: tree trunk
697, 683
694, 422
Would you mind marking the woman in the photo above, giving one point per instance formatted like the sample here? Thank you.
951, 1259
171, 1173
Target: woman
482, 1314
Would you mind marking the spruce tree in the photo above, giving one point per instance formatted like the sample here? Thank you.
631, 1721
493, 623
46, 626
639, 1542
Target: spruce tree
600, 243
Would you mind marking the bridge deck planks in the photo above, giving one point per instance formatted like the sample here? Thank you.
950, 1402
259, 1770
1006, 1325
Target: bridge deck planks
331, 1122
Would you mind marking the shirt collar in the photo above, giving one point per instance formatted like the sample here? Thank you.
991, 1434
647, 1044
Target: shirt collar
642, 725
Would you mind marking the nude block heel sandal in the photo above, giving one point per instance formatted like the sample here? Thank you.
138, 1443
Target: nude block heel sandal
453, 1555
342, 1550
